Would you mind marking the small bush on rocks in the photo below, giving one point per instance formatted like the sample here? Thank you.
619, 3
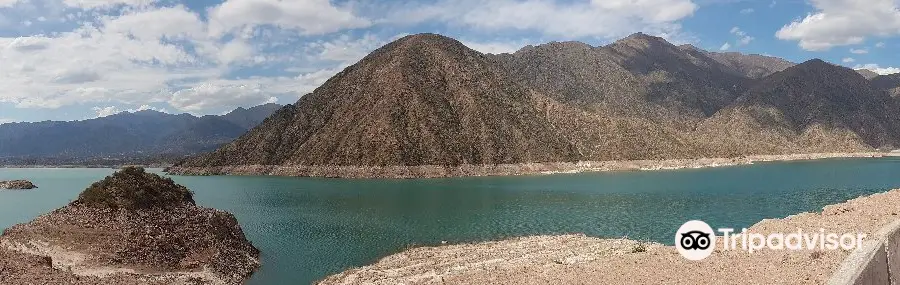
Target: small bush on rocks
133, 188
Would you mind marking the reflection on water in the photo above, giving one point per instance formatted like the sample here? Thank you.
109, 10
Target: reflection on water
308, 228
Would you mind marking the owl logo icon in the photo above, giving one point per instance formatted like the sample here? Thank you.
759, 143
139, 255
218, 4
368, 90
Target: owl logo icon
695, 240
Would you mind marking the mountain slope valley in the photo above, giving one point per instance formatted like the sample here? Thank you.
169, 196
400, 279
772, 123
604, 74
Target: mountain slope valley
428, 100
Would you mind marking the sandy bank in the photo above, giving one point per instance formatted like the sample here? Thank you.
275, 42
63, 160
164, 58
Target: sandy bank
434, 171
578, 259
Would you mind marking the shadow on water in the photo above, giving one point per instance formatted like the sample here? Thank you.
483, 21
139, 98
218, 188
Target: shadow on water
309, 228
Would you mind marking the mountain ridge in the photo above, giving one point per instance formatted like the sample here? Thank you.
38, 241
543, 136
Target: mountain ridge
428, 100
145, 133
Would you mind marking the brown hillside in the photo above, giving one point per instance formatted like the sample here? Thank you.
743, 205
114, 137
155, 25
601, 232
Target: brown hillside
422, 100
427, 100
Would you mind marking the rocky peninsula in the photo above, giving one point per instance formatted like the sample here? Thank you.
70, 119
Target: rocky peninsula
579, 259
132, 227
17, 185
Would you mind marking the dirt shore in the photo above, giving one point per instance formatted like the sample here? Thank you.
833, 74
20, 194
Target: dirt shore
435, 171
578, 259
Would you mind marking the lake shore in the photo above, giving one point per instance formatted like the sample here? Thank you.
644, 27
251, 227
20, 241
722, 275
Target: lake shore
63, 166
578, 259
438, 171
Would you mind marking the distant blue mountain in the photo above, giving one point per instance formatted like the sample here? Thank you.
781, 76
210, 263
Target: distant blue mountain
141, 134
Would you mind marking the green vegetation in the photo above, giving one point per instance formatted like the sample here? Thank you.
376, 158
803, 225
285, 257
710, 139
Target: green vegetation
638, 248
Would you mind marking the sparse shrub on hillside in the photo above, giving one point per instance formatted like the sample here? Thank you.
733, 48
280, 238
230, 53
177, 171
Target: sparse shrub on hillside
133, 188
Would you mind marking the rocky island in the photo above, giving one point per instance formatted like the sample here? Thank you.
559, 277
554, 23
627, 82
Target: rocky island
17, 185
132, 227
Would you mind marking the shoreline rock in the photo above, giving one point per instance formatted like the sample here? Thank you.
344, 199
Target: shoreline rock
137, 227
439, 171
17, 185
579, 259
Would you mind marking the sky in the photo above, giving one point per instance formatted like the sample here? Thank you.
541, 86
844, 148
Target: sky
82, 59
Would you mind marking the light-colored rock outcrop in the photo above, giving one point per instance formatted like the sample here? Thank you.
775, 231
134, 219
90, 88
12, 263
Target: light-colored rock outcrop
17, 185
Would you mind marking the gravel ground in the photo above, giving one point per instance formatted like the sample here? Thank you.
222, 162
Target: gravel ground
578, 259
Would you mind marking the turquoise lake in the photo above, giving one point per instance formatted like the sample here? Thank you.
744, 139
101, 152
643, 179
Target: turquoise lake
309, 228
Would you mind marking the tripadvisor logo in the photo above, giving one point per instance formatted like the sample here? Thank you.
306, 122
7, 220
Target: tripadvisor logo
696, 240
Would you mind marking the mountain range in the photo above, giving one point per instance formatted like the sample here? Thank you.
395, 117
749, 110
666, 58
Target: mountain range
429, 100
126, 135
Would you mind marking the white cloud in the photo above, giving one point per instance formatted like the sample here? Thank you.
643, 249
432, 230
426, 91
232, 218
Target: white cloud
308, 82
880, 45
112, 110
102, 4
738, 32
234, 51
748, 11
105, 111
859, 51
597, 18
848, 60
345, 49
309, 17
725, 46
772, 5
88, 65
169, 22
133, 59
494, 47
207, 97
878, 69
742, 37
119, 54
843, 22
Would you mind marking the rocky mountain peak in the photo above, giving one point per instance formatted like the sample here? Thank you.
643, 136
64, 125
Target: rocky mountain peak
426, 105
821, 71
133, 188
410, 55
815, 63
642, 41
426, 42
689, 47
567, 47
868, 74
